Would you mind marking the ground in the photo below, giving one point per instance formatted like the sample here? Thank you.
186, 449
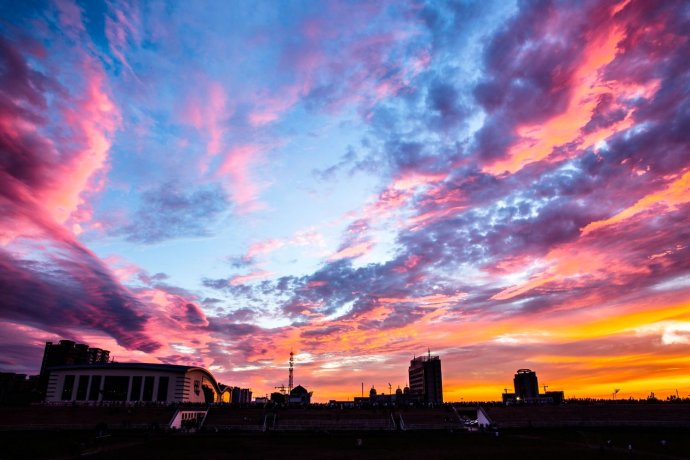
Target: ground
533, 444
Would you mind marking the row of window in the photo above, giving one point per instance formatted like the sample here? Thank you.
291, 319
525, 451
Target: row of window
114, 388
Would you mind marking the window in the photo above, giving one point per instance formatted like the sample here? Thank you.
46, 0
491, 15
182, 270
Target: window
135, 394
82, 387
148, 389
115, 388
95, 389
162, 389
197, 387
67, 386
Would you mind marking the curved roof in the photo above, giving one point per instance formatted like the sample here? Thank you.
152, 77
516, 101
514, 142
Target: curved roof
298, 391
140, 366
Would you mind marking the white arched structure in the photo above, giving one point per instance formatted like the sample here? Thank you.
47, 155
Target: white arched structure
131, 383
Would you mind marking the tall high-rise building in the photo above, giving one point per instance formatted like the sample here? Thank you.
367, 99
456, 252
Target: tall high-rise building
526, 384
67, 352
425, 379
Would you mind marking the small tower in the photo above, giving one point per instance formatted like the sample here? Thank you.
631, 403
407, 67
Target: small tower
291, 372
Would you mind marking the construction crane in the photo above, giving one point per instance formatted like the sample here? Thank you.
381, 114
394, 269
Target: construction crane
282, 388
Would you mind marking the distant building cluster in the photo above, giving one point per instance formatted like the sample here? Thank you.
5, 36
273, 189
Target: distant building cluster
425, 387
235, 395
72, 372
298, 396
527, 390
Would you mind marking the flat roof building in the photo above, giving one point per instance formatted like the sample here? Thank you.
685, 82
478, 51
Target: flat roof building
425, 379
132, 383
526, 384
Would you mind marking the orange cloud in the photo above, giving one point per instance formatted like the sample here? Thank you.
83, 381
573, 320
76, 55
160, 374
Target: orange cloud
677, 192
537, 141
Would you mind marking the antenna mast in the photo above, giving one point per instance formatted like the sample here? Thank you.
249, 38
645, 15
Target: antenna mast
291, 372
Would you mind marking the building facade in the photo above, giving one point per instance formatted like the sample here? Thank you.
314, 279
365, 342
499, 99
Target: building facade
526, 384
131, 383
68, 352
426, 383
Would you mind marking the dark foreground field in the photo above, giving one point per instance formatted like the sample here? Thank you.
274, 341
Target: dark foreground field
533, 444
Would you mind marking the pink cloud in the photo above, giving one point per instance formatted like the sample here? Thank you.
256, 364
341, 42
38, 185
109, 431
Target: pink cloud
67, 169
207, 110
676, 193
410, 263
350, 252
241, 279
268, 108
237, 167
315, 284
263, 248
123, 270
586, 83
94, 121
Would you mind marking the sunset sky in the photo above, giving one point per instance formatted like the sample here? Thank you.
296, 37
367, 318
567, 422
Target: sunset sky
216, 183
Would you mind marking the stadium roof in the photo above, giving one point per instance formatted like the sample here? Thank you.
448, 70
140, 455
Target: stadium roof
140, 366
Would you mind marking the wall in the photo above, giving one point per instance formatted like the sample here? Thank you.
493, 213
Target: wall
96, 390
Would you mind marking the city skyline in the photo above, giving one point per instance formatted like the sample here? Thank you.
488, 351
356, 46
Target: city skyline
216, 184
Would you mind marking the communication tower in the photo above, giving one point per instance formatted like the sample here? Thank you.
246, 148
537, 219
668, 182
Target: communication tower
290, 378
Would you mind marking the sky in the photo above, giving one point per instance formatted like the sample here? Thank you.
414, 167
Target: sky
213, 183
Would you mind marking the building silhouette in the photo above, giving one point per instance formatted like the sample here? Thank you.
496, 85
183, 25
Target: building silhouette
235, 395
131, 383
67, 353
300, 396
527, 391
425, 379
526, 384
